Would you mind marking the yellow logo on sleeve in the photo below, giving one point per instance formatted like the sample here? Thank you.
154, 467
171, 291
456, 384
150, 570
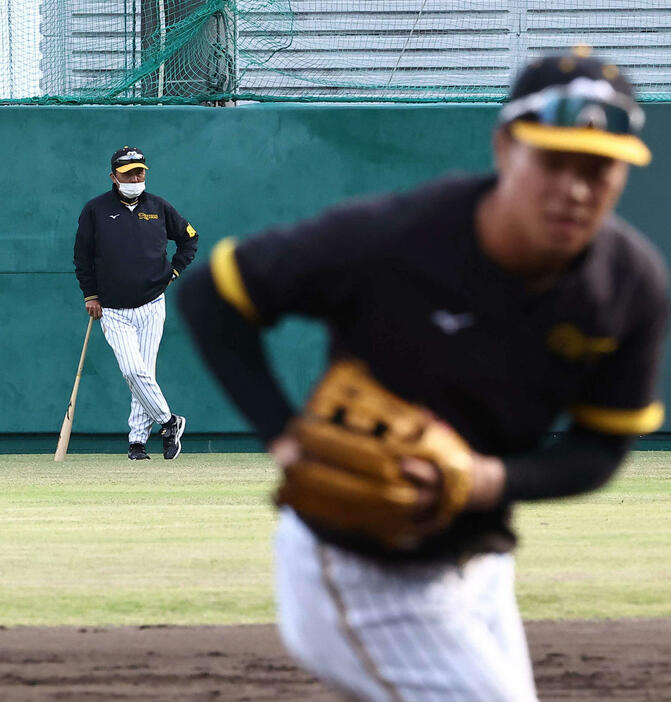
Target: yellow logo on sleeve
568, 341
190, 230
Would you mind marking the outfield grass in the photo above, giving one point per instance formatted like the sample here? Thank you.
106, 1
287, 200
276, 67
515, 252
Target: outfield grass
604, 554
98, 540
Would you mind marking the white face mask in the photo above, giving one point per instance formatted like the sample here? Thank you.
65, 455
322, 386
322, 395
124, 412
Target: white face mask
130, 190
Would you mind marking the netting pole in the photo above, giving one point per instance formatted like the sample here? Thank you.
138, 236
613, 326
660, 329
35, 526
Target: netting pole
230, 23
125, 36
161, 30
11, 45
134, 49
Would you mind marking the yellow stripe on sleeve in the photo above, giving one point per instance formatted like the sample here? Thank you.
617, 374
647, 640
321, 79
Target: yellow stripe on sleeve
228, 281
620, 421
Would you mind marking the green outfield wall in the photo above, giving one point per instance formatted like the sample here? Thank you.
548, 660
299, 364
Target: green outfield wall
230, 172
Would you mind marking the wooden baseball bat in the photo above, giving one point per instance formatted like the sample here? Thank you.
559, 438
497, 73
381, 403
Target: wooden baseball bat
66, 429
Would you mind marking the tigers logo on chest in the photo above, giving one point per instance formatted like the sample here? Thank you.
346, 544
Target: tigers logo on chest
568, 341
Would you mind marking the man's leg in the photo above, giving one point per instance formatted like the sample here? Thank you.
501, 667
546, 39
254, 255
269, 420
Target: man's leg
121, 333
150, 319
416, 633
308, 618
496, 584
140, 423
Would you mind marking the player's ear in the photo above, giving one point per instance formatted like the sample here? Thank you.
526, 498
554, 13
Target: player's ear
502, 141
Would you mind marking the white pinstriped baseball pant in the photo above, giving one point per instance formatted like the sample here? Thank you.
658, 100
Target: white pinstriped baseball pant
401, 633
135, 335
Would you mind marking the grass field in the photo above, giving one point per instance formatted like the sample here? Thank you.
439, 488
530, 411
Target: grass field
98, 540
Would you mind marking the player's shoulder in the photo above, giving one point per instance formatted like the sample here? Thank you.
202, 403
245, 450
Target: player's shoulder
403, 214
632, 260
438, 224
458, 191
453, 194
368, 230
447, 204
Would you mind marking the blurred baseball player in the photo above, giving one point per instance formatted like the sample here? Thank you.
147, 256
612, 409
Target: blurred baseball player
496, 304
123, 270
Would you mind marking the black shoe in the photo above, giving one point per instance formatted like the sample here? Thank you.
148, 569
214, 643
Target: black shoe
172, 433
137, 452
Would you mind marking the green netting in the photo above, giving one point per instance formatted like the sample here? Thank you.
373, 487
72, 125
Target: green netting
205, 51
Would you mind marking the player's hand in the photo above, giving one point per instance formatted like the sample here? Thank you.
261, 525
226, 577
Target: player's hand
426, 478
486, 489
285, 450
489, 477
94, 309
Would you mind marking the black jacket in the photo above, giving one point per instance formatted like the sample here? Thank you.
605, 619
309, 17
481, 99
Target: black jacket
121, 256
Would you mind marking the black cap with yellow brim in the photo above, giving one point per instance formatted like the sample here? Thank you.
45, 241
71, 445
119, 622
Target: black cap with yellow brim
624, 147
130, 166
127, 158
577, 103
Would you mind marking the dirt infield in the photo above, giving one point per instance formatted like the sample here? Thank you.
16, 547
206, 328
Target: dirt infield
615, 660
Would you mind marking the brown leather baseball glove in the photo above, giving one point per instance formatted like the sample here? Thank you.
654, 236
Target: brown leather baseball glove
354, 434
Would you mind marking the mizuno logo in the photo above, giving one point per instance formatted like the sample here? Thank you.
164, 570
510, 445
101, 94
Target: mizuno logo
452, 323
114, 216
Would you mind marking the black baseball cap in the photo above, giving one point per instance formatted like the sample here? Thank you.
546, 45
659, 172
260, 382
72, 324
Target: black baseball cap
575, 102
127, 158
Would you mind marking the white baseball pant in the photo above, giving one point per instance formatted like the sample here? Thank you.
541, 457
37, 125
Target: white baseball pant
404, 632
135, 335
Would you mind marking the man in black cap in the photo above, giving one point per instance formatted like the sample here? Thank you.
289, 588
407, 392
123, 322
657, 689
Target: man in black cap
500, 303
123, 269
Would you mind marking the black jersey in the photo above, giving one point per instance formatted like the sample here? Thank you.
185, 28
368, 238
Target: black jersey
404, 286
120, 255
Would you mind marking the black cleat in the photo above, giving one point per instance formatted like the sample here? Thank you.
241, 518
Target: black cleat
172, 433
137, 452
